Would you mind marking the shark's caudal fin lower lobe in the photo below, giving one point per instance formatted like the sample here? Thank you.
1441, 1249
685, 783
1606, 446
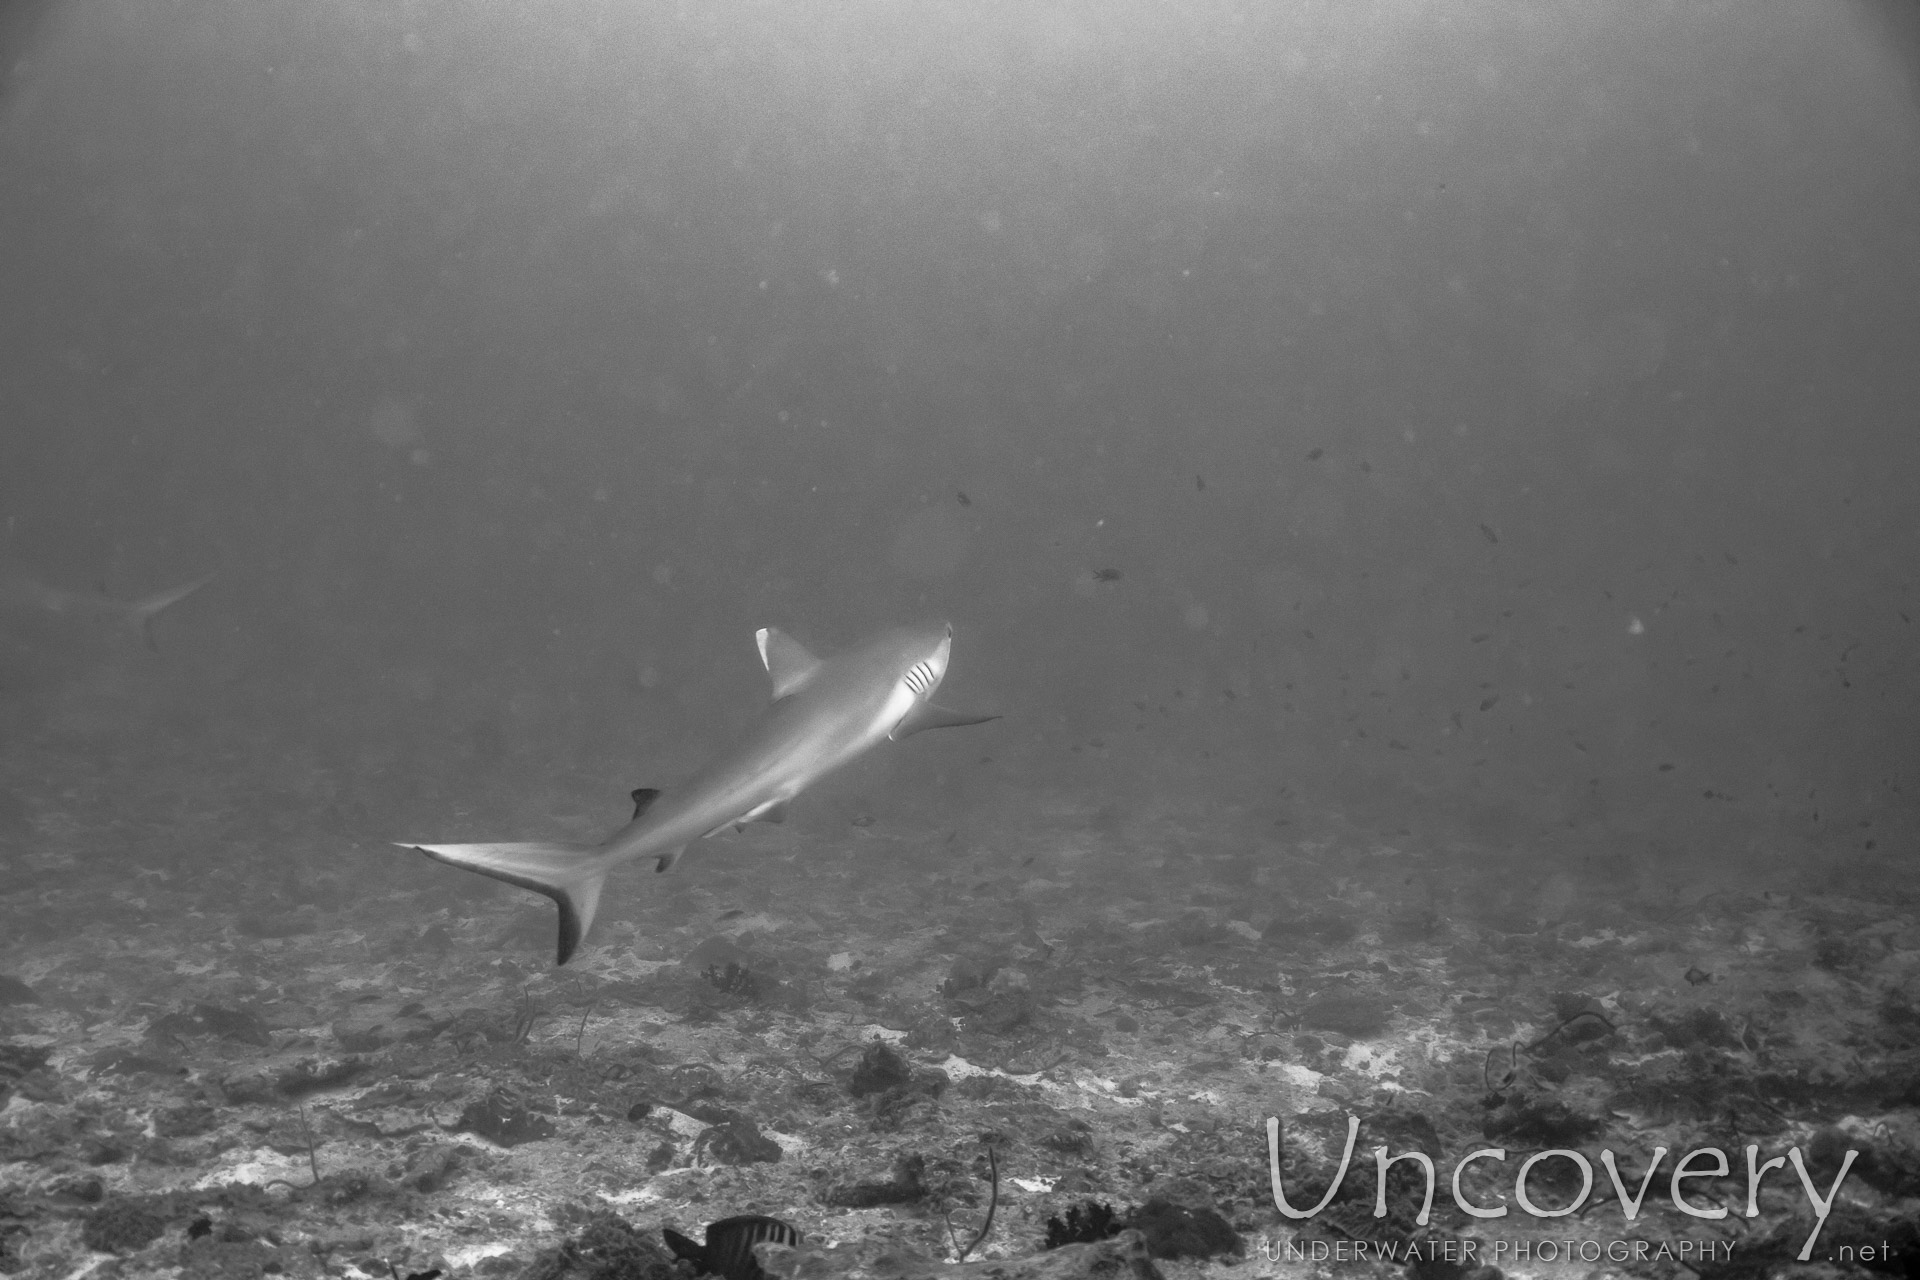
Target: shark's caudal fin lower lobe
570, 874
140, 613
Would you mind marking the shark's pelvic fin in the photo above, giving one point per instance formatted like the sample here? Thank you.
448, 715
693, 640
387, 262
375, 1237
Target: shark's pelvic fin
787, 661
570, 874
140, 613
666, 860
771, 811
931, 715
643, 798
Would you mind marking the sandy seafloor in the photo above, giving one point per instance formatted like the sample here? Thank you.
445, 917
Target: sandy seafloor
200, 1021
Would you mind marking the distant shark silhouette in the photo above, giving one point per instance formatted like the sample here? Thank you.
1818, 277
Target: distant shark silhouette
24, 595
19, 20
824, 714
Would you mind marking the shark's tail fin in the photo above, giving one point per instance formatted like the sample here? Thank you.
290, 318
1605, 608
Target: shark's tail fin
570, 874
140, 613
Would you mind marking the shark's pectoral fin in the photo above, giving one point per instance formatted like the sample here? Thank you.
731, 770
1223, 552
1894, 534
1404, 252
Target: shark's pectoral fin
570, 874
787, 661
771, 811
643, 798
931, 715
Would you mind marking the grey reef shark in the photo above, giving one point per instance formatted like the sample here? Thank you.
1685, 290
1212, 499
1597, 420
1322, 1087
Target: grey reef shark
824, 714
25, 596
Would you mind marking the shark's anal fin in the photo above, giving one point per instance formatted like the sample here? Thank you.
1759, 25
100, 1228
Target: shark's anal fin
788, 663
931, 715
643, 798
570, 874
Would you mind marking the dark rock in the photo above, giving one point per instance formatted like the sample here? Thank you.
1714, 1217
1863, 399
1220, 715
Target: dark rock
607, 1248
969, 973
124, 1062
122, 1226
212, 1020
14, 991
996, 1012
279, 924
1326, 928
432, 1169
880, 1069
1694, 1028
1073, 1138
17, 1060
1531, 1121
1358, 1015
905, 1186
737, 1142
1124, 1257
1075, 1180
1176, 1231
207, 1258
313, 1075
87, 1189
1085, 1222
503, 1116
187, 1120
362, 1037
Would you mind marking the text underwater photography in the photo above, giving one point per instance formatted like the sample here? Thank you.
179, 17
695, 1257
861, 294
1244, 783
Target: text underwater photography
1466, 1252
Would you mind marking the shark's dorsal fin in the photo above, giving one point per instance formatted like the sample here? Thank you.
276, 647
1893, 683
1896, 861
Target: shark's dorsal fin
931, 715
643, 798
788, 663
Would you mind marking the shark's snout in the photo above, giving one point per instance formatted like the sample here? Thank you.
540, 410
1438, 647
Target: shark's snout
925, 673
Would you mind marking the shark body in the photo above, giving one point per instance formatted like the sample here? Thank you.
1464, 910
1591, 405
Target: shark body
28, 596
824, 714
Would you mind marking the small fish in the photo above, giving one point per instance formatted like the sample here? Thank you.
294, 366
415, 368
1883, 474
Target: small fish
1199, 482
965, 501
728, 1251
1487, 532
1314, 455
1696, 975
1106, 575
734, 914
